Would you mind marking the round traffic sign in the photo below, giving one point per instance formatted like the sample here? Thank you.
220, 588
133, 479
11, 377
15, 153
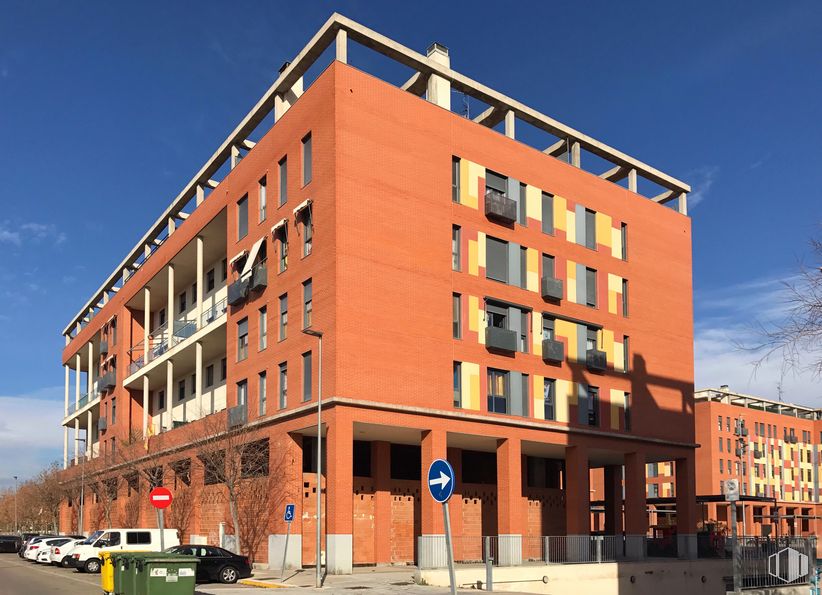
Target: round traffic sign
441, 480
160, 497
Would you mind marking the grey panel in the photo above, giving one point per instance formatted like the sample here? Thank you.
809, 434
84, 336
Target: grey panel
582, 337
582, 286
522, 212
590, 229
515, 400
496, 259
512, 190
495, 181
590, 286
526, 396
582, 407
548, 265
523, 267
514, 277
579, 224
547, 213
515, 321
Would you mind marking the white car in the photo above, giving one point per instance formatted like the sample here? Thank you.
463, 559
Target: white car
60, 552
44, 553
86, 556
37, 545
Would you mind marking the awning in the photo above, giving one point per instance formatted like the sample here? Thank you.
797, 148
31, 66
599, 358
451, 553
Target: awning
236, 258
277, 226
303, 205
252, 256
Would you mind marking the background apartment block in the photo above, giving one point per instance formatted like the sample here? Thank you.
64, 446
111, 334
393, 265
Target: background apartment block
480, 299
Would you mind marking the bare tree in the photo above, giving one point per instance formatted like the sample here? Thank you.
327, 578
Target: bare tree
50, 493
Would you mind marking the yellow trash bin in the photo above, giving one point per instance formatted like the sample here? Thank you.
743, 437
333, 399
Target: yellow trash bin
106, 573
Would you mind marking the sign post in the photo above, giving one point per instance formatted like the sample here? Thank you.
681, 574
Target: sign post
441, 486
161, 499
287, 517
732, 495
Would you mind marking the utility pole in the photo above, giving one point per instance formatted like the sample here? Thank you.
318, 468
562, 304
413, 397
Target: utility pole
308, 331
16, 527
82, 486
741, 450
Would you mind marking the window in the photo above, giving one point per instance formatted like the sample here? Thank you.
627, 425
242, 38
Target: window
181, 390
307, 218
593, 406
623, 230
242, 392
242, 339
496, 316
283, 169
283, 316
591, 339
261, 390
182, 302
719, 419
497, 391
547, 213
161, 317
223, 368
457, 384
523, 267
627, 412
254, 458
523, 331
213, 467
456, 302
496, 182
262, 197
283, 384
590, 229
307, 159
224, 269
456, 251
263, 328
548, 266
138, 538
720, 444
161, 400
625, 297
549, 398
307, 376
308, 306
653, 490
547, 328
242, 217
113, 410
626, 354
209, 379
194, 293
728, 424
283, 263
455, 179
522, 215
496, 259
591, 288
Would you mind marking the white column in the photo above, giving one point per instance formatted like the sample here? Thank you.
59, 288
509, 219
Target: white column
683, 203
89, 436
200, 195
169, 392
146, 321
90, 369
342, 46
76, 443
510, 124
170, 304
198, 378
199, 309
172, 226
632, 180
77, 365
65, 447
66, 391
576, 160
145, 405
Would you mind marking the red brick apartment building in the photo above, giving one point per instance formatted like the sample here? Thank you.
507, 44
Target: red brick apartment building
772, 448
523, 311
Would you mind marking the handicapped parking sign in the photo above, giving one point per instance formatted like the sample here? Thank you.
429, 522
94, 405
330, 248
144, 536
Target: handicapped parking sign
289, 513
441, 480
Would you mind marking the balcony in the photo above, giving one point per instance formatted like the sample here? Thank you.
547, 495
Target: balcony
553, 351
108, 381
552, 289
84, 400
102, 424
214, 312
499, 207
103, 347
500, 339
596, 360
259, 277
237, 416
238, 291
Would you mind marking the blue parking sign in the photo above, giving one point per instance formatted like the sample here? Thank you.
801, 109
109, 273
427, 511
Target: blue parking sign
289, 513
441, 480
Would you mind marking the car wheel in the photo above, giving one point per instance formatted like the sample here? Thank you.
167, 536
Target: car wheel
229, 575
65, 562
92, 566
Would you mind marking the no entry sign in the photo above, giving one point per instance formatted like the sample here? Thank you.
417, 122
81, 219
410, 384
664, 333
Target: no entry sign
160, 497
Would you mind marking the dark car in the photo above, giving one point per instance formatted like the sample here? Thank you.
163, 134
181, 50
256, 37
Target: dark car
10, 544
28, 538
216, 564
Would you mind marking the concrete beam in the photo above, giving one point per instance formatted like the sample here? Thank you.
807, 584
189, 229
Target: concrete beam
558, 148
211, 184
341, 46
615, 174
248, 144
665, 197
490, 117
182, 215
417, 84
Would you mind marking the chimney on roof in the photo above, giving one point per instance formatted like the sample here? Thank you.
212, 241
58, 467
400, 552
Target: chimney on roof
439, 89
283, 101
724, 388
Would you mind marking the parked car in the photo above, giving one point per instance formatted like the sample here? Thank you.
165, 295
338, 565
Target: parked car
44, 553
10, 544
27, 540
60, 553
86, 556
216, 564
37, 544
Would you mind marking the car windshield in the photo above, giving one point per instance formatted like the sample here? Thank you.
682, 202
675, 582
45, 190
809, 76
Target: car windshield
92, 538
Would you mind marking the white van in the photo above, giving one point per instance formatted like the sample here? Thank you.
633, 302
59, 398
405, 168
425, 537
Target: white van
86, 555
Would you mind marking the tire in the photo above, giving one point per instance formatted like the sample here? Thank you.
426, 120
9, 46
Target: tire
229, 575
92, 566
64, 563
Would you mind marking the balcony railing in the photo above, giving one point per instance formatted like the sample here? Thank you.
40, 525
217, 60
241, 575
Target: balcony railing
499, 207
501, 339
552, 289
596, 360
212, 313
552, 350
84, 400
237, 416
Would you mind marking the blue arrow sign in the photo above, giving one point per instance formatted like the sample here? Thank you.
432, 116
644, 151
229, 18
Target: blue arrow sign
441, 480
289, 513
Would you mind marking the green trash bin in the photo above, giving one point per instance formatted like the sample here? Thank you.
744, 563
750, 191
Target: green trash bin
164, 574
124, 574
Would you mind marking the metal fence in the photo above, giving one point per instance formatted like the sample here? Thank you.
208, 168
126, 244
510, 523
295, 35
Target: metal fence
774, 562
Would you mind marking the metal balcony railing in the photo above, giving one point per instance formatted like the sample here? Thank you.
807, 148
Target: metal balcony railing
212, 313
84, 400
552, 288
501, 339
499, 207
596, 360
552, 350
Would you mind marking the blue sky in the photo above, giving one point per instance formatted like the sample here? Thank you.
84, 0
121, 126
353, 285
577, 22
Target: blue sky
107, 109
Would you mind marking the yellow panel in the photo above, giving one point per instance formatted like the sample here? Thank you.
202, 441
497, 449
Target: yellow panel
560, 208
533, 203
480, 313
532, 268
475, 172
470, 379
616, 243
565, 392
617, 400
607, 345
539, 409
614, 283
473, 262
473, 305
536, 334
612, 302
619, 357
571, 281
566, 329
603, 229
570, 226
481, 243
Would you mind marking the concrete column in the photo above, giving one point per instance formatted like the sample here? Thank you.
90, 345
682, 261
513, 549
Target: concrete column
686, 506
145, 405
632, 180
89, 435
750, 530
170, 304
284, 101
613, 499
432, 553
169, 394
90, 376
198, 378
65, 446
683, 203
339, 493
200, 197
146, 321
342, 46
509, 501
235, 156
381, 469
636, 514
510, 124
577, 491
66, 391
199, 305
76, 443
77, 365
438, 90
576, 159
172, 226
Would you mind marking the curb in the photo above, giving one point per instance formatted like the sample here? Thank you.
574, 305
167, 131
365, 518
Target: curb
255, 583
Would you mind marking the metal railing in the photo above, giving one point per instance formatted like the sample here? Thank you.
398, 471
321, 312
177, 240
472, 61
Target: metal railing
213, 312
581, 549
84, 400
775, 562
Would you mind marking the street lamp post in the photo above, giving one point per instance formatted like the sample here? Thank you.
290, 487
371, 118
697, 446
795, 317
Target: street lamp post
319, 335
82, 486
16, 526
